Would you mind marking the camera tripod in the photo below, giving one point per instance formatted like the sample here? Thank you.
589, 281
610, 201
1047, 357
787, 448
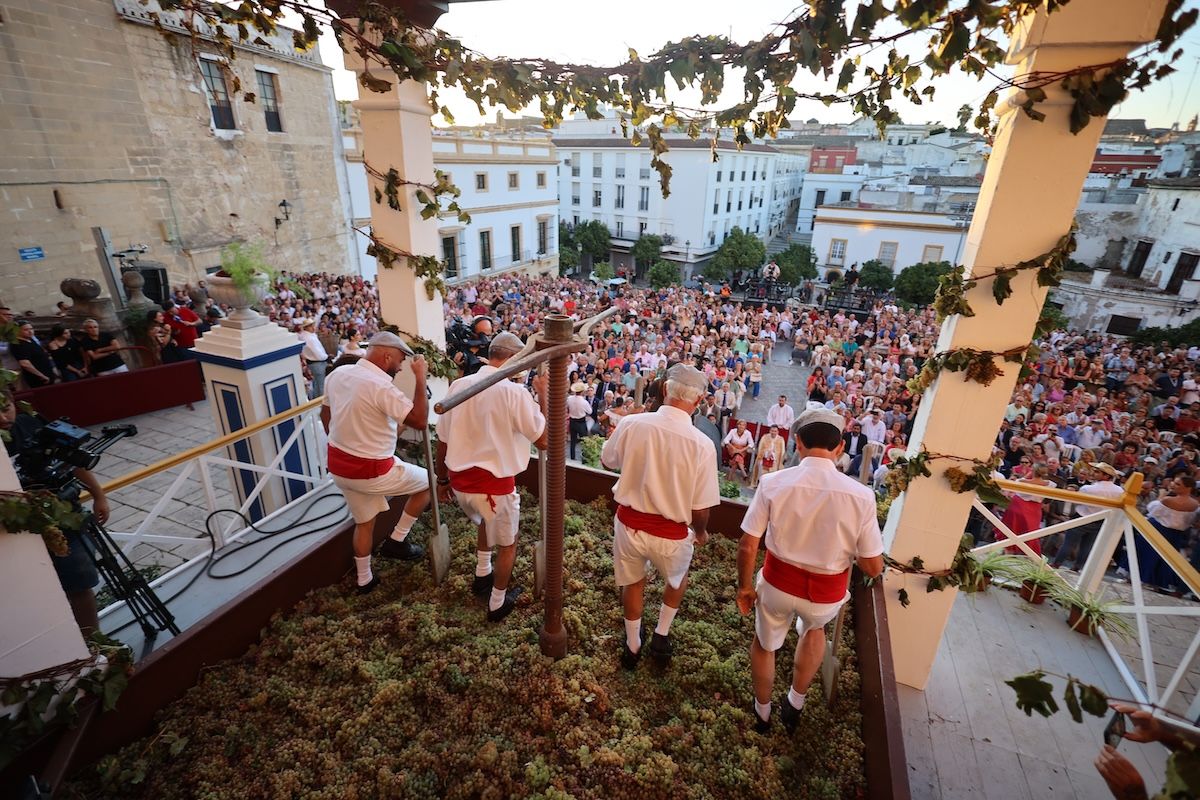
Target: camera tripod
126, 582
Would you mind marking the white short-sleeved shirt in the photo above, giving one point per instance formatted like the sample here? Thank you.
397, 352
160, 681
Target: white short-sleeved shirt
782, 416
815, 517
492, 430
365, 408
668, 467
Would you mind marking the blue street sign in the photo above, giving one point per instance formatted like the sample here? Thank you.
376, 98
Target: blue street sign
31, 253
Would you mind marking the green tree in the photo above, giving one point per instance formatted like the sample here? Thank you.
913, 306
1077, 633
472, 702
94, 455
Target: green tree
740, 250
662, 274
604, 271
646, 251
568, 250
876, 275
918, 284
1185, 335
797, 263
593, 238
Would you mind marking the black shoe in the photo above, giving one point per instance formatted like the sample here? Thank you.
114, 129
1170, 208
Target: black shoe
403, 551
789, 715
660, 649
761, 726
369, 586
630, 659
482, 585
506, 608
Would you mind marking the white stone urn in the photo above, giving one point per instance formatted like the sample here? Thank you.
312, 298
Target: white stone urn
223, 290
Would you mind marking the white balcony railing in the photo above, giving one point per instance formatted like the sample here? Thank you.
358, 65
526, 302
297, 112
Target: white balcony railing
1149, 652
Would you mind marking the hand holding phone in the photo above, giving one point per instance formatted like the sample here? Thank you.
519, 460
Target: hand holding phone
1114, 731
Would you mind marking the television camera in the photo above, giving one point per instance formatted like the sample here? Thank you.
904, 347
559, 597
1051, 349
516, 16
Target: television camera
48, 464
464, 338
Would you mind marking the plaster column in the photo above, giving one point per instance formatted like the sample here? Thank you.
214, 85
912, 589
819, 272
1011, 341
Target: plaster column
397, 132
37, 629
251, 372
1030, 191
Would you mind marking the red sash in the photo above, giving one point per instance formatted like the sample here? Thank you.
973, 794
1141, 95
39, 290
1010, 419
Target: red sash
653, 524
477, 480
799, 582
345, 465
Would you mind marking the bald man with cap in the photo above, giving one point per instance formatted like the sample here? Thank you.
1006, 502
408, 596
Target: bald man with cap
818, 523
483, 445
668, 484
362, 410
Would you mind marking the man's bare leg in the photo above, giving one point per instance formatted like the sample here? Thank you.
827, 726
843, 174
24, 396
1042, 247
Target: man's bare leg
632, 601
364, 541
810, 652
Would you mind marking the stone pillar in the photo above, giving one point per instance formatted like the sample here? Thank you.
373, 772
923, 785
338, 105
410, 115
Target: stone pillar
397, 133
1030, 191
252, 371
37, 629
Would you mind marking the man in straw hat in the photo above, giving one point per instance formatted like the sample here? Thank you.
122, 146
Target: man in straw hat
483, 445
1078, 541
818, 523
668, 482
578, 410
361, 411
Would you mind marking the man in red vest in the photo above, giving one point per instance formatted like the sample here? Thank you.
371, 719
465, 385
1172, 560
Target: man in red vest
668, 482
818, 523
483, 445
361, 411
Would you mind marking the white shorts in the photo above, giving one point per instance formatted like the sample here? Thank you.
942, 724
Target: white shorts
774, 611
634, 550
501, 517
367, 497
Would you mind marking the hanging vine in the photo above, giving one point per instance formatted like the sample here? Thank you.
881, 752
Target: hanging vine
429, 195
979, 478
440, 364
427, 267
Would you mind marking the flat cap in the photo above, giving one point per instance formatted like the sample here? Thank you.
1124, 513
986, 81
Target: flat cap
815, 415
506, 343
389, 339
688, 375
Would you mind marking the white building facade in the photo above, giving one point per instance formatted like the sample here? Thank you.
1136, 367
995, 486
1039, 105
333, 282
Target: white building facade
846, 235
603, 177
509, 187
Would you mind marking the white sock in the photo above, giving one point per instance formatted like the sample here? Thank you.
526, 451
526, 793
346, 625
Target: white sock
763, 710
633, 634
363, 566
497, 599
483, 563
795, 699
666, 615
403, 526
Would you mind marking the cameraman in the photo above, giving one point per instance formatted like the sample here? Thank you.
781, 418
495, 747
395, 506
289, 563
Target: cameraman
467, 341
76, 570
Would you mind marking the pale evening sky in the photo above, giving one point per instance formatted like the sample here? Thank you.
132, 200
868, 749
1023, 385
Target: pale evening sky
601, 34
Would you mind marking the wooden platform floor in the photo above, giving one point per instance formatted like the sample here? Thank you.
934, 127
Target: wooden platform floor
964, 736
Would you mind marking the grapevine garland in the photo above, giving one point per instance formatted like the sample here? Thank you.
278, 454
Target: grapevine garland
428, 194
979, 478
427, 267
440, 364
32, 696
978, 365
965, 572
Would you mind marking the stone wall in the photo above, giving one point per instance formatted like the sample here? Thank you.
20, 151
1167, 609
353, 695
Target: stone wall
112, 115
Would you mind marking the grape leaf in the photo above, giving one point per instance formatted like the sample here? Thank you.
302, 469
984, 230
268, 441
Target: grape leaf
1093, 700
1034, 693
1072, 701
902, 595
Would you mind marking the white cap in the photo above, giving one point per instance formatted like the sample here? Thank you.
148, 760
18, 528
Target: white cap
688, 375
389, 339
813, 416
506, 343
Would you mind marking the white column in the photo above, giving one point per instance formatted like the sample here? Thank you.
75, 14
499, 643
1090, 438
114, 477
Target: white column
37, 628
1030, 191
397, 133
252, 371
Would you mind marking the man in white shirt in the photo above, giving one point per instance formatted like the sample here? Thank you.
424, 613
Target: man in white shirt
361, 410
578, 410
483, 445
781, 414
873, 427
668, 482
1078, 541
818, 523
1090, 436
315, 357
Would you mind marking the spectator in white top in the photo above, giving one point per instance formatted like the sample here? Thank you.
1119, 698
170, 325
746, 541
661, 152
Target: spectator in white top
739, 448
1091, 435
668, 481
817, 523
781, 414
1078, 541
873, 427
314, 356
1052, 444
483, 445
578, 410
361, 411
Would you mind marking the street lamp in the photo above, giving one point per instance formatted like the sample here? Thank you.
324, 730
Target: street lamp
687, 267
285, 208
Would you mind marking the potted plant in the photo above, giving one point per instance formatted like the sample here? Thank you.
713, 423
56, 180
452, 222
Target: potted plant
244, 279
1087, 611
1038, 580
975, 573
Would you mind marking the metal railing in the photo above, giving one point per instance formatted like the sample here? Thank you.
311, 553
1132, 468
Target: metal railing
1121, 521
286, 433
